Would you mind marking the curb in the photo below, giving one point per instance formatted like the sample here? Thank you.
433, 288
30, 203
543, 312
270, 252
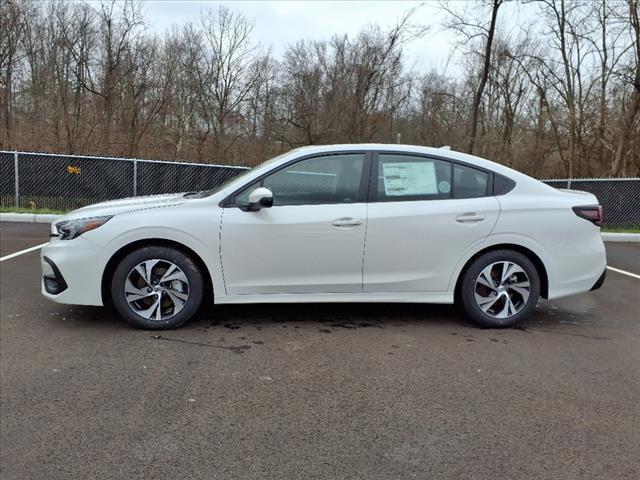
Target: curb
29, 217
621, 237
49, 218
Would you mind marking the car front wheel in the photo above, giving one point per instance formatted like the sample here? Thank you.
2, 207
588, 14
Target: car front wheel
500, 288
157, 288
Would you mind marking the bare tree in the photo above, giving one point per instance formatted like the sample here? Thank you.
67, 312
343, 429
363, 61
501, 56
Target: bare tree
472, 28
630, 110
14, 15
558, 96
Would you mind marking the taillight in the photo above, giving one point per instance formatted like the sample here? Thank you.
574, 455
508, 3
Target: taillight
593, 213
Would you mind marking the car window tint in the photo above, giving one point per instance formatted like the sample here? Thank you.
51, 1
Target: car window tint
314, 181
469, 182
405, 177
243, 197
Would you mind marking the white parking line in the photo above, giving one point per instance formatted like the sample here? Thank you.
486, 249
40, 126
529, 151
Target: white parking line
21, 252
624, 272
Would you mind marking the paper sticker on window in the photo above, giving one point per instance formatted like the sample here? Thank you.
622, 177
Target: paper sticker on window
410, 178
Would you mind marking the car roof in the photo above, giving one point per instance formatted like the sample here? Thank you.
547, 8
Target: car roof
445, 153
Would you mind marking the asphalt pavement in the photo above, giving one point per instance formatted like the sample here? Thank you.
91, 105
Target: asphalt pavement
340, 391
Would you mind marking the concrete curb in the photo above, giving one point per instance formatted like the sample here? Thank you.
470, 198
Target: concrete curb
621, 237
48, 218
28, 217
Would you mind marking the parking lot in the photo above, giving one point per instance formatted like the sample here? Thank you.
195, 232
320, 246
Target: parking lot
318, 391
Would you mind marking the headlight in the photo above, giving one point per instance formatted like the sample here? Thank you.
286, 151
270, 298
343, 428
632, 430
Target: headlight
74, 228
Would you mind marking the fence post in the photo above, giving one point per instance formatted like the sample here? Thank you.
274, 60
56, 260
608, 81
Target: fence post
135, 178
568, 184
16, 185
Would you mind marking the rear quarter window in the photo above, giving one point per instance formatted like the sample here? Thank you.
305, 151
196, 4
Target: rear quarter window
470, 182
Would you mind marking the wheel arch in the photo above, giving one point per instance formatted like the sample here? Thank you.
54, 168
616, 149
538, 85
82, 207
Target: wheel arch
115, 259
531, 255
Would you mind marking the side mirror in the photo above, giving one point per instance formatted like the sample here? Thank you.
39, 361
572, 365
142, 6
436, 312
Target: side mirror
260, 198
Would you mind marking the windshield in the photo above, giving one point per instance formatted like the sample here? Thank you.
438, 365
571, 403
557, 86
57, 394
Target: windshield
222, 186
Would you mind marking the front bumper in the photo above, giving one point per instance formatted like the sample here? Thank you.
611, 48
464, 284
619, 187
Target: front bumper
53, 283
72, 271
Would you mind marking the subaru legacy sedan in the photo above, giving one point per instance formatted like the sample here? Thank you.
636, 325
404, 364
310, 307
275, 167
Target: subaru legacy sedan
338, 223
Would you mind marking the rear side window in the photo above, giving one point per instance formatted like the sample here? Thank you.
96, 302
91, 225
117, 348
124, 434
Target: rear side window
469, 182
406, 177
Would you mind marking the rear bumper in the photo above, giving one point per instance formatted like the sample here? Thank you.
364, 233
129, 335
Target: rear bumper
577, 266
600, 281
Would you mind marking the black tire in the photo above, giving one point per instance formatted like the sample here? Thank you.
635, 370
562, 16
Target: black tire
194, 288
467, 291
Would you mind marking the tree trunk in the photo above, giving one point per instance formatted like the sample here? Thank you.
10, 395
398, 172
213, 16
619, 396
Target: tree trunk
484, 75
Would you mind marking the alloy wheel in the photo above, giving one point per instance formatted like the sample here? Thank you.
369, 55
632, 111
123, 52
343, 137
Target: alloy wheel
502, 289
156, 289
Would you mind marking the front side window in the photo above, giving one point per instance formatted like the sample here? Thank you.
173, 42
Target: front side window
406, 177
314, 181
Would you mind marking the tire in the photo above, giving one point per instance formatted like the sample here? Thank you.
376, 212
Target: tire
493, 302
157, 288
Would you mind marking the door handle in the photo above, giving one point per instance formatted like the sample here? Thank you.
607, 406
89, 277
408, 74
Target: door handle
346, 222
469, 217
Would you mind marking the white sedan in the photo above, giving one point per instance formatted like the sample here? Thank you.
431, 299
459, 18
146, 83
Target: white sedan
339, 223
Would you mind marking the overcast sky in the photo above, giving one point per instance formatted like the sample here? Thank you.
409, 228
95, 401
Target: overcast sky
280, 23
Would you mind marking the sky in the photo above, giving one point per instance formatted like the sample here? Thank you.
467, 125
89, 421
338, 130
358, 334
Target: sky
281, 23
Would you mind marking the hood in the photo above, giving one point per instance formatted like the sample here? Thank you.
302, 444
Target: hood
125, 205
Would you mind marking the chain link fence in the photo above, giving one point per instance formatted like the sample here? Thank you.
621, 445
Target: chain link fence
619, 197
65, 182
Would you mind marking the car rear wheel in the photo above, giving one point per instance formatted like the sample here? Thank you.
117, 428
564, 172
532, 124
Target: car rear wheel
500, 288
157, 288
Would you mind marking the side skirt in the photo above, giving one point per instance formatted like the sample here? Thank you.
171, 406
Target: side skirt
393, 297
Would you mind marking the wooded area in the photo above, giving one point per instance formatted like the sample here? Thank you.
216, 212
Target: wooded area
559, 97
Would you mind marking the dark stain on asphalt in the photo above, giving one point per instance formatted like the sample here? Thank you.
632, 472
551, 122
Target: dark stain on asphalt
353, 325
237, 350
231, 326
324, 330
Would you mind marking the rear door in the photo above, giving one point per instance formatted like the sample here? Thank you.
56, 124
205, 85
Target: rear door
310, 241
424, 214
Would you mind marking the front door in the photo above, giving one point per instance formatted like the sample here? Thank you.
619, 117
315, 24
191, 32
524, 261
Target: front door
310, 241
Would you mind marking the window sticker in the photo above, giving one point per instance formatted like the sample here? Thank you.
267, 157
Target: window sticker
409, 178
444, 186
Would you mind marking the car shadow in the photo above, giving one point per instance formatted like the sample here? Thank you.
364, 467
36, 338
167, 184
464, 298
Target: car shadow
336, 315
324, 315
